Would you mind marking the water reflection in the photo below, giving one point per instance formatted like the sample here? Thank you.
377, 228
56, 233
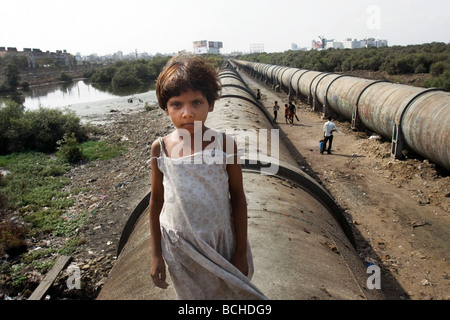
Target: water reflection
66, 94
71, 93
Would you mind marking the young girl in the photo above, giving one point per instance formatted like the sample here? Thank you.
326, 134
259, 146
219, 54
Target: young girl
198, 210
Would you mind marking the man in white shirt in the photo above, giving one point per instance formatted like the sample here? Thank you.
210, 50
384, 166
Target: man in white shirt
328, 129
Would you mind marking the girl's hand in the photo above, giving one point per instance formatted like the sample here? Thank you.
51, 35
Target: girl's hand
240, 262
158, 272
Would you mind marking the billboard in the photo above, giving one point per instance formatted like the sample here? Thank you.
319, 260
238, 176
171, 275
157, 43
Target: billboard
204, 46
215, 44
201, 43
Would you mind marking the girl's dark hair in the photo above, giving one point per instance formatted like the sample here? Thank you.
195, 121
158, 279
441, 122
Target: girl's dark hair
187, 72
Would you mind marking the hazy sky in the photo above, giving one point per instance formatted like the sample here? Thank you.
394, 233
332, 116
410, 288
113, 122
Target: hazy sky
168, 26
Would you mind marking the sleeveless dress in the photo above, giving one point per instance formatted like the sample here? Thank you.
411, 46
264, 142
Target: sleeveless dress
197, 231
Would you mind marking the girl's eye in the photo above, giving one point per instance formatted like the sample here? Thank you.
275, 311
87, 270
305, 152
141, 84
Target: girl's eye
175, 104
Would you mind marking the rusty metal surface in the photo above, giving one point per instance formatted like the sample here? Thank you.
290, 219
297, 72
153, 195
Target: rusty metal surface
296, 79
305, 82
286, 76
425, 126
343, 94
381, 106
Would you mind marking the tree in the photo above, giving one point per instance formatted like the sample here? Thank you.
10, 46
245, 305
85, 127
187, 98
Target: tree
12, 76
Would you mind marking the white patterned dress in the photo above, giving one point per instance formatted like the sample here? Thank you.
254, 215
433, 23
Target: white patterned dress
197, 232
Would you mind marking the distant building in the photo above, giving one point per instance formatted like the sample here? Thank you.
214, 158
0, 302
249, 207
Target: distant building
294, 47
118, 56
205, 46
257, 48
320, 43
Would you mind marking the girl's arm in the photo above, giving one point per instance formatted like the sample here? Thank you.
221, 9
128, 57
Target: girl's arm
239, 212
158, 267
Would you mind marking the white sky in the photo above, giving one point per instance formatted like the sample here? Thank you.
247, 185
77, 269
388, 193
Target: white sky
168, 26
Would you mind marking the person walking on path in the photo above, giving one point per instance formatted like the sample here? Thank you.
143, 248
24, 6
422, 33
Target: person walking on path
328, 128
287, 113
292, 110
198, 209
276, 107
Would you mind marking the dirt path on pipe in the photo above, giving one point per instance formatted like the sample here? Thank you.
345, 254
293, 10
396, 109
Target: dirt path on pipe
399, 210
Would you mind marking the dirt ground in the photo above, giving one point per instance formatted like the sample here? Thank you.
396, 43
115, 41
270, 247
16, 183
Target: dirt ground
399, 209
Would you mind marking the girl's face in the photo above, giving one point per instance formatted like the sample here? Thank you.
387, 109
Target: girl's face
187, 108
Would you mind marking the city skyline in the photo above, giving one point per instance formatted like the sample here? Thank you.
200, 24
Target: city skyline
106, 27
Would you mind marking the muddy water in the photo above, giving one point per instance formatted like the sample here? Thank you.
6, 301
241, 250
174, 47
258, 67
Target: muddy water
90, 102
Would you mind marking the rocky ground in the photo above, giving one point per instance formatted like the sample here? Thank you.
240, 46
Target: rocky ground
399, 210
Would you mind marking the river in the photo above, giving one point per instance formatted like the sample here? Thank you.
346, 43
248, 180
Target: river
91, 102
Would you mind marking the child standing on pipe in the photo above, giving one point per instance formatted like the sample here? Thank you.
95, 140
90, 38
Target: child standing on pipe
198, 209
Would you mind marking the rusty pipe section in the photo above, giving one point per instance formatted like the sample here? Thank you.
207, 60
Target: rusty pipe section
302, 245
413, 118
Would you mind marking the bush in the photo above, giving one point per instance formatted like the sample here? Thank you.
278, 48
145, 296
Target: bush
125, 78
404, 65
104, 75
441, 82
69, 149
393, 60
130, 73
47, 126
438, 68
4, 87
64, 77
88, 73
10, 116
37, 130
25, 85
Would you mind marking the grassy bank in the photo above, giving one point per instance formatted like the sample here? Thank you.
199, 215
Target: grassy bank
35, 207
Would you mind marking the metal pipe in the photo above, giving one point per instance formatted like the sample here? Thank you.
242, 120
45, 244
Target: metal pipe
302, 245
384, 108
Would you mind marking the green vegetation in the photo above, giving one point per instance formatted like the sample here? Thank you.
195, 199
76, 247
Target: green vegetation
101, 150
130, 73
38, 149
34, 188
214, 60
137, 72
70, 151
65, 77
432, 58
37, 130
10, 66
12, 79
